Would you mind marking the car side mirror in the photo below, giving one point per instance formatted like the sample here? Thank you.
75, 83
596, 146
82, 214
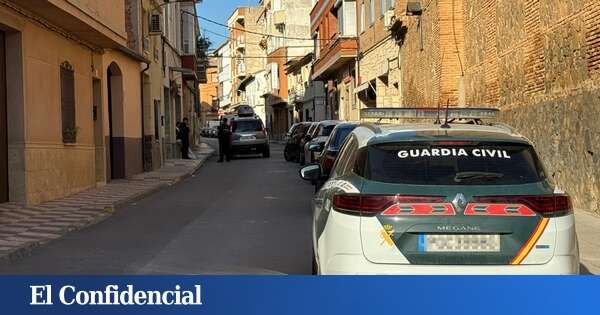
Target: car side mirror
315, 147
310, 172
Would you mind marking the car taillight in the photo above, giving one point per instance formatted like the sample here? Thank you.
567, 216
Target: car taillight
545, 205
374, 204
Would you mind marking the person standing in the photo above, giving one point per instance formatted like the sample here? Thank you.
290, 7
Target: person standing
184, 133
224, 136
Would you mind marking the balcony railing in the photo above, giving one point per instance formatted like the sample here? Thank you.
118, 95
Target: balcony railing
296, 95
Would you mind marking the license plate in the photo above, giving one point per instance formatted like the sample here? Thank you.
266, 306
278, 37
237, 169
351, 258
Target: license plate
459, 243
246, 138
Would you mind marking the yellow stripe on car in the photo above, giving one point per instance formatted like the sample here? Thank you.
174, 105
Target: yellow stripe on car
535, 236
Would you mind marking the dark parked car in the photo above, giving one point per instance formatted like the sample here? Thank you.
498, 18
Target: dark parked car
330, 149
319, 135
293, 138
304, 140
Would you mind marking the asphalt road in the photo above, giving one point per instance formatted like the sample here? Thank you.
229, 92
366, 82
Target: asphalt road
249, 216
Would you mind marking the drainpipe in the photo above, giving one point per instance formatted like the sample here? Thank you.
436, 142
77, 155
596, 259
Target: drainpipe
142, 111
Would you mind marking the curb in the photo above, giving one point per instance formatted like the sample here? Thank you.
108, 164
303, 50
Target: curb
27, 248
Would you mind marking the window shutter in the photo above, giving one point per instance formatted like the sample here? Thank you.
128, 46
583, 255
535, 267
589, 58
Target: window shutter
67, 103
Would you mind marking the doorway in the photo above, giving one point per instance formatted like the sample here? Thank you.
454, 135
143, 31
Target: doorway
116, 135
3, 122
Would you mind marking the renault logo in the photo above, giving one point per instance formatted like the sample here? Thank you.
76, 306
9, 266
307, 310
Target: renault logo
459, 202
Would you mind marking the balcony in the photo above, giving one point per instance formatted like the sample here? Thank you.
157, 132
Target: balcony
279, 17
191, 62
240, 69
296, 95
240, 43
335, 56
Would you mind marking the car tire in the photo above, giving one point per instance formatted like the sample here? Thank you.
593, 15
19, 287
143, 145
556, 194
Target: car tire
266, 152
287, 155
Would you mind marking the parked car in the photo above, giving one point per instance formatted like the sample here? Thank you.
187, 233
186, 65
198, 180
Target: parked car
205, 132
212, 132
304, 140
248, 135
293, 138
329, 151
440, 199
319, 137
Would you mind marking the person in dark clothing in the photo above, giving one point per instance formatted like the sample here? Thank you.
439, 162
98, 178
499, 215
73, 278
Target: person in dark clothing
184, 133
224, 136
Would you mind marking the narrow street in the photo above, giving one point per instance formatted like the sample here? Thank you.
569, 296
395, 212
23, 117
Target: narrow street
249, 216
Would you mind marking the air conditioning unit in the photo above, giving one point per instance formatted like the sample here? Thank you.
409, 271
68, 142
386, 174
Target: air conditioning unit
156, 27
389, 18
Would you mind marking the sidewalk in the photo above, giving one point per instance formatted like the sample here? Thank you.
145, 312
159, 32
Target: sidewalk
588, 234
24, 228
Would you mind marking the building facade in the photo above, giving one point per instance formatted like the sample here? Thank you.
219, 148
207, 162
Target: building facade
334, 32
73, 98
380, 80
223, 53
287, 25
306, 96
209, 92
245, 52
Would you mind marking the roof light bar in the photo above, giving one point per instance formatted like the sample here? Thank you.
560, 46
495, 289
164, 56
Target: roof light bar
428, 113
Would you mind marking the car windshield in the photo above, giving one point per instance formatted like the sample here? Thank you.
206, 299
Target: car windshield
247, 125
465, 163
338, 137
326, 130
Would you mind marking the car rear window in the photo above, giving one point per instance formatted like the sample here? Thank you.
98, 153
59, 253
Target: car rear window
465, 163
326, 130
246, 125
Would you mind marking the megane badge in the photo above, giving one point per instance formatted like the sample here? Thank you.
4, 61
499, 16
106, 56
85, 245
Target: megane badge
459, 202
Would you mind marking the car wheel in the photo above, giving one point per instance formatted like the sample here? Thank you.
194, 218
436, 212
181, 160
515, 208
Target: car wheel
287, 154
266, 152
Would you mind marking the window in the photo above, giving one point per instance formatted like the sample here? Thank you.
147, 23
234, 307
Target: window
382, 7
316, 44
391, 4
371, 12
246, 125
67, 102
427, 163
325, 131
347, 154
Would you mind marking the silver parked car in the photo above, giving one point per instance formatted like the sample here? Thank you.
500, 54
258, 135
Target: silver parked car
248, 135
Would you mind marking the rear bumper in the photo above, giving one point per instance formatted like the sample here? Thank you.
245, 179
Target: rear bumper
357, 264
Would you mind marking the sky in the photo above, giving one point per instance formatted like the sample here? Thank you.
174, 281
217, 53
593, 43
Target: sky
218, 10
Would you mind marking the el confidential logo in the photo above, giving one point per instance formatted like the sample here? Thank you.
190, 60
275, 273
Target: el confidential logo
115, 295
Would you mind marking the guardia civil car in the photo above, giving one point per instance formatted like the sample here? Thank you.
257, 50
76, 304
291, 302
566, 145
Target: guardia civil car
463, 197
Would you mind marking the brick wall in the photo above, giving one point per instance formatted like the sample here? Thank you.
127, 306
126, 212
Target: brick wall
539, 61
431, 58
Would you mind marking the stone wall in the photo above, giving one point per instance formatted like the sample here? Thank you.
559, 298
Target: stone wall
382, 59
539, 62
